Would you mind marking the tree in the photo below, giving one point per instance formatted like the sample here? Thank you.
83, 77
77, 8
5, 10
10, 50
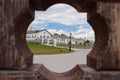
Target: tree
87, 42
63, 35
56, 34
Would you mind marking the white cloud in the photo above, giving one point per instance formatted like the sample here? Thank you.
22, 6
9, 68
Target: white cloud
53, 31
37, 25
84, 33
62, 13
80, 33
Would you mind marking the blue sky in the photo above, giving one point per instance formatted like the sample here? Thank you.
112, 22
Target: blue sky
63, 19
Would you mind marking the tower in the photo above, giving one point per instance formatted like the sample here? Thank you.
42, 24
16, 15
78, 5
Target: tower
30, 29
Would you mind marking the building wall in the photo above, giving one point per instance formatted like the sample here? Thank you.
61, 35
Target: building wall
45, 37
42, 37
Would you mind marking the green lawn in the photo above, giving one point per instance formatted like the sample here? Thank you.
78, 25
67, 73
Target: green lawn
43, 49
74, 45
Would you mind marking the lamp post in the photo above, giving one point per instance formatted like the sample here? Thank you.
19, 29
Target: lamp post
70, 42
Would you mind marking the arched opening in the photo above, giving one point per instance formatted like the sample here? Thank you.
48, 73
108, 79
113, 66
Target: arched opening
70, 21
97, 57
17, 15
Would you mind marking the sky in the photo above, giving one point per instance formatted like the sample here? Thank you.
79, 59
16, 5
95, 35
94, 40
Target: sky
63, 19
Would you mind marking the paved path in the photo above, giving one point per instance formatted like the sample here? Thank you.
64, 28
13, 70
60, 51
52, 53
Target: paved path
62, 62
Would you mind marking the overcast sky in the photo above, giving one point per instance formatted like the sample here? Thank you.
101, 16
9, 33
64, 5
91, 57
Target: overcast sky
63, 19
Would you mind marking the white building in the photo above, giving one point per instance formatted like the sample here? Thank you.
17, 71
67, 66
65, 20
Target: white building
63, 39
80, 41
46, 38
40, 36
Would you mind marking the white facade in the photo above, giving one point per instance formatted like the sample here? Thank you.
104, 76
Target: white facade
63, 39
45, 37
41, 36
80, 41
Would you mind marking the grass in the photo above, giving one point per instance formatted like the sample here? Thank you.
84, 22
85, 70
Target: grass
73, 45
43, 49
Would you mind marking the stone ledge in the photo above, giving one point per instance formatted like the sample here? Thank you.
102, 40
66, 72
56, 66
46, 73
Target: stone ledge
36, 73
91, 74
30, 74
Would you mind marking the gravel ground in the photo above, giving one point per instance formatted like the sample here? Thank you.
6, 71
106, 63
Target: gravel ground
62, 62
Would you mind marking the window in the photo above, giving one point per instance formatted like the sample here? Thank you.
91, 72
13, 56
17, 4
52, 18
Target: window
40, 36
43, 36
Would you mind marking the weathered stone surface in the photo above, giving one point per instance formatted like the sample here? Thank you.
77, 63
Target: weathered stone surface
91, 74
14, 14
31, 74
106, 24
80, 72
80, 5
75, 74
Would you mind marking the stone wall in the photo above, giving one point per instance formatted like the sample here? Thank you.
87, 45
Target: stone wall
39, 72
15, 17
106, 24
11, 56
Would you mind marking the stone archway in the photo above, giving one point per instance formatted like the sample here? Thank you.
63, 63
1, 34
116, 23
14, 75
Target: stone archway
16, 15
